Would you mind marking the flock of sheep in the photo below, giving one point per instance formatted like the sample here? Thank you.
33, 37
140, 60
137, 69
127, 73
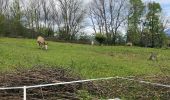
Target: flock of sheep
44, 45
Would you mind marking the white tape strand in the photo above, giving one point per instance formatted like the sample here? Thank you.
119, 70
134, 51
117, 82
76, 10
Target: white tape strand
10, 88
156, 84
81, 81
61, 83
64, 83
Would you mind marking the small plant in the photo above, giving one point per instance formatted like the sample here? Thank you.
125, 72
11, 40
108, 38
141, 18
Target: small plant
100, 38
84, 95
153, 57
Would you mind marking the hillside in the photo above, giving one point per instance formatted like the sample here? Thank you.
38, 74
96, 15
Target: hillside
89, 61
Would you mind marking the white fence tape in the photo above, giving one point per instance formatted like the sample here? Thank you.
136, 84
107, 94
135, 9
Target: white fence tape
80, 81
10, 88
60, 83
72, 82
155, 84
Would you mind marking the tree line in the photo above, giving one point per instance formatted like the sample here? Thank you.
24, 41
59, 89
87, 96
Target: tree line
66, 19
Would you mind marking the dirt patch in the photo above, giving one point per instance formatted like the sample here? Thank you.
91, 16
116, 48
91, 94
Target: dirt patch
133, 90
40, 75
130, 90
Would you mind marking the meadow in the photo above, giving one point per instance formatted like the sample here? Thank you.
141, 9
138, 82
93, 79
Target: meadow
86, 60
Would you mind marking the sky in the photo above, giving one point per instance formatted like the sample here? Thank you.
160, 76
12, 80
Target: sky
165, 4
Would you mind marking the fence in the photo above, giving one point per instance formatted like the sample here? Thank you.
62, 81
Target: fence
79, 81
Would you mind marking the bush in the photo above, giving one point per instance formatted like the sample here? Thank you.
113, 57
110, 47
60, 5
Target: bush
48, 32
84, 37
100, 38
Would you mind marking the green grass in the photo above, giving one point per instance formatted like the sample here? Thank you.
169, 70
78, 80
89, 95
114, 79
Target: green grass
89, 61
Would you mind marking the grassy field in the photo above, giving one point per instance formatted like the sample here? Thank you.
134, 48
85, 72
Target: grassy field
89, 61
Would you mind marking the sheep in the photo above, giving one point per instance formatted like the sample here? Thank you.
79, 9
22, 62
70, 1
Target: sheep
92, 42
42, 43
129, 44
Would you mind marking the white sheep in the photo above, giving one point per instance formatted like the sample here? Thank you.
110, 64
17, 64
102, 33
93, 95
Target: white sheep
129, 44
92, 42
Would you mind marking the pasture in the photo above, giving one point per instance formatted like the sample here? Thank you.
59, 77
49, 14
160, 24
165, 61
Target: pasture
20, 58
88, 61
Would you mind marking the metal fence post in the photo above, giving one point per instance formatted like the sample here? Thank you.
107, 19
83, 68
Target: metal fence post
25, 93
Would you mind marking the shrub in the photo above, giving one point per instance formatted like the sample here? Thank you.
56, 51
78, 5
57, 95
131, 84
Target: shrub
82, 36
100, 38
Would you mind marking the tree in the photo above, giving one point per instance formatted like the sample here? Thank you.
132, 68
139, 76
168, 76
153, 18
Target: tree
154, 24
32, 9
16, 18
72, 15
100, 38
108, 16
134, 20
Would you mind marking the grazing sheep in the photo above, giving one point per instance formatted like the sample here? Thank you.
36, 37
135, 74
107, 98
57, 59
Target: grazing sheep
92, 42
41, 42
129, 44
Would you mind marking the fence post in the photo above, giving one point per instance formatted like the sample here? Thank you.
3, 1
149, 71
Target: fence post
25, 93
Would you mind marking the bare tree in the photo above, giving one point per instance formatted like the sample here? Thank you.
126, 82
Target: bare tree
16, 10
92, 20
54, 15
72, 14
46, 11
4, 4
109, 16
30, 13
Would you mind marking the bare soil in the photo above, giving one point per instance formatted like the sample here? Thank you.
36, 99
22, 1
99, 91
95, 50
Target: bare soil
129, 90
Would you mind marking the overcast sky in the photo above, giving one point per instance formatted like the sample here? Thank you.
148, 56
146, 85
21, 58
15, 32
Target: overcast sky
165, 4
